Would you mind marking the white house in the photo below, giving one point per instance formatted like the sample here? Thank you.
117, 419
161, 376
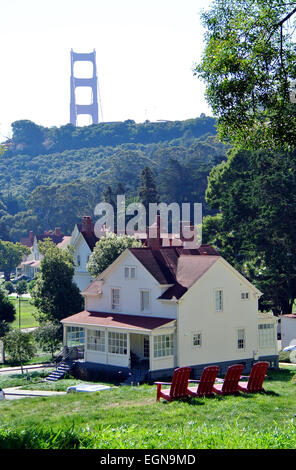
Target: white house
30, 264
288, 330
83, 241
169, 307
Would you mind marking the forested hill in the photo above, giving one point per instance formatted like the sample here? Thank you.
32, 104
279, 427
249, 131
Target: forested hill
30, 138
40, 191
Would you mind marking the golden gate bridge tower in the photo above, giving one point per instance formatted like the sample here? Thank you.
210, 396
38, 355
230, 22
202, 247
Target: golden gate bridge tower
92, 82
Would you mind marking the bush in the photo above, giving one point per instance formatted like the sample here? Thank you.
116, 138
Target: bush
9, 287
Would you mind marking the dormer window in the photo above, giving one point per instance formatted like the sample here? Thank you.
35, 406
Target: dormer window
78, 260
245, 296
129, 272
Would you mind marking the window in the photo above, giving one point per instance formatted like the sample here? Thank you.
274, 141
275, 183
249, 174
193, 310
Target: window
146, 347
74, 336
145, 300
244, 295
163, 345
241, 343
266, 335
117, 343
115, 298
219, 300
96, 340
196, 340
78, 260
129, 272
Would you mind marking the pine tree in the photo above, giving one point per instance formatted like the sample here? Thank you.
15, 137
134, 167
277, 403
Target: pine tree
148, 192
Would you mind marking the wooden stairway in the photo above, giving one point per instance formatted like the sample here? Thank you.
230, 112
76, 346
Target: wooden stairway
60, 371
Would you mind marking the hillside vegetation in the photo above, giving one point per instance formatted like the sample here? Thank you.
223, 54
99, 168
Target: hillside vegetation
52, 176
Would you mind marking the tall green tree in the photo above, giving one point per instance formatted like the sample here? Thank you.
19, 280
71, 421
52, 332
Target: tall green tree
255, 230
148, 192
20, 346
54, 293
248, 66
11, 255
107, 249
7, 312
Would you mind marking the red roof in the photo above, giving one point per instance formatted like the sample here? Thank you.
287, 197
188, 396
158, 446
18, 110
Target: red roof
178, 266
117, 320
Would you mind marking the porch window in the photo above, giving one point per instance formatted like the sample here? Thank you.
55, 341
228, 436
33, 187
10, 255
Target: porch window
115, 298
96, 340
146, 347
266, 335
241, 343
163, 345
117, 343
74, 336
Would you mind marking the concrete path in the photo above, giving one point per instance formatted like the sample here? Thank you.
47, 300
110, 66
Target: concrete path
18, 370
19, 392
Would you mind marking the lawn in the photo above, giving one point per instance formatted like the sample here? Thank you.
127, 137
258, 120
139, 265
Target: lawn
27, 311
130, 418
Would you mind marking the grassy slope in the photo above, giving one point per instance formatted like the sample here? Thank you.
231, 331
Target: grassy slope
27, 310
127, 417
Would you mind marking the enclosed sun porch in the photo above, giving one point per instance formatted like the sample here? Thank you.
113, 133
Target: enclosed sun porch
123, 341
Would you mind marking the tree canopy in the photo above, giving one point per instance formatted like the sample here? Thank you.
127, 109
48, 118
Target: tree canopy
54, 293
248, 66
107, 249
255, 230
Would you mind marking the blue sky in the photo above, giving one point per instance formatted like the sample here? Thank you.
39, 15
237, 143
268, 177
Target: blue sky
145, 51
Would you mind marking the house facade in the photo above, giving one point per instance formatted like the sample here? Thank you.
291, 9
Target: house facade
288, 330
30, 264
83, 241
167, 307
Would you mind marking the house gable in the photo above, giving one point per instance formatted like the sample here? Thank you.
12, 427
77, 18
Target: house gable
130, 289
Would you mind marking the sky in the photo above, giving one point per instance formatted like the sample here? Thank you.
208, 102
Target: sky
145, 54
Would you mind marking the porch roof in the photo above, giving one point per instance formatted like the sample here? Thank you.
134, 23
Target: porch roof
118, 320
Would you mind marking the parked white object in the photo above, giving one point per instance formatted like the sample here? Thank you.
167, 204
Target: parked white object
87, 388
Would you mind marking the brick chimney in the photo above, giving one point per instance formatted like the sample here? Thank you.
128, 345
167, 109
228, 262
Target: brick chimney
31, 236
57, 231
153, 234
87, 224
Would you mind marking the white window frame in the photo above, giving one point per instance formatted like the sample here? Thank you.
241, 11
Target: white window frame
220, 291
241, 339
266, 340
245, 295
115, 306
128, 270
117, 343
75, 336
96, 340
142, 307
163, 346
196, 339
78, 261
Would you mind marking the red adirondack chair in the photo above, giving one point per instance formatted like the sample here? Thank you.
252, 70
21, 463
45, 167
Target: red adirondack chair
229, 385
206, 382
178, 385
255, 379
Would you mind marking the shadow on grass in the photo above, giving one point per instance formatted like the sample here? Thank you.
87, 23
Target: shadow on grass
285, 375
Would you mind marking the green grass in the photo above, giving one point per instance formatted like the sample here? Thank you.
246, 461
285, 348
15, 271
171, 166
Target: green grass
27, 311
130, 418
